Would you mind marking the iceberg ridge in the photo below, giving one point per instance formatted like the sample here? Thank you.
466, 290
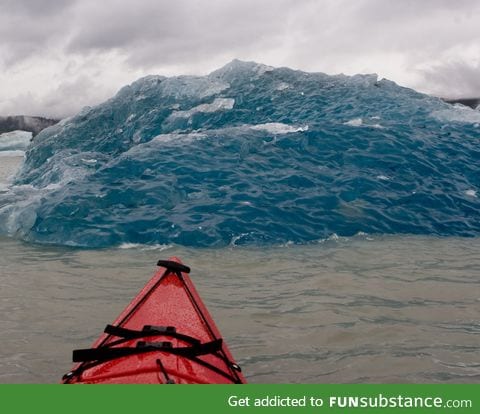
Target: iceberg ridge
249, 153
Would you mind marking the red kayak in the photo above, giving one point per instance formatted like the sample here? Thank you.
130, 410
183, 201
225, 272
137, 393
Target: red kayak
164, 336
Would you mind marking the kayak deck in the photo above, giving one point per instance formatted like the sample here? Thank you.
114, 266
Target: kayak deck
165, 335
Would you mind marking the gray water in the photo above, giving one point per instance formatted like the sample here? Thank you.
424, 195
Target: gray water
370, 309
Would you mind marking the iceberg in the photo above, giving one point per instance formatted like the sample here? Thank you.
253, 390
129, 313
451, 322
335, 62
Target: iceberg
251, 155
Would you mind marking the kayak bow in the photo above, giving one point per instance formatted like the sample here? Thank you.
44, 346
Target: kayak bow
165, 335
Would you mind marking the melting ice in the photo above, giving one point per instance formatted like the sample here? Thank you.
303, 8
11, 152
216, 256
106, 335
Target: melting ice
249, 154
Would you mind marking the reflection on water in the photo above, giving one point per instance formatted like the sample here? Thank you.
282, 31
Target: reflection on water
370, 309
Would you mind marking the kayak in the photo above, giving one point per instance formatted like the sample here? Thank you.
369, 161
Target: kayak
164, 336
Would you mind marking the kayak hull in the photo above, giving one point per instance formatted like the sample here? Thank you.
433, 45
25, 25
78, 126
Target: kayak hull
165, 335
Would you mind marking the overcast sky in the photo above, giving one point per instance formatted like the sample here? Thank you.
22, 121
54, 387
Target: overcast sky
57, 56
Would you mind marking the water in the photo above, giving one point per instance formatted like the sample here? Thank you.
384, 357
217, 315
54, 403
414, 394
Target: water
391, 309
332, 225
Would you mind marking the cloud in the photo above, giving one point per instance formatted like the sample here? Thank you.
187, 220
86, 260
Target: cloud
56, 56
75, 94
457, 79
34, 8
190, 31
28, 28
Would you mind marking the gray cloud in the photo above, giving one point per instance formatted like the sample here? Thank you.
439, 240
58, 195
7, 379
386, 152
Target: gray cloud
460, 79
190, 31
34, 8
75, 94
29, 27
58, 55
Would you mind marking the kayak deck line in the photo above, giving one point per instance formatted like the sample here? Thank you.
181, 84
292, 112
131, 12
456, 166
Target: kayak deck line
148, 330
165, 335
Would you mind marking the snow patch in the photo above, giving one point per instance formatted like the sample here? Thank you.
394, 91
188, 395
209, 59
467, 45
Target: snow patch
278, 128
354, 122
219, 104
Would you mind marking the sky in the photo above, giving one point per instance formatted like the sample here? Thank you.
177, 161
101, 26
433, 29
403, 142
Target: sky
57, 56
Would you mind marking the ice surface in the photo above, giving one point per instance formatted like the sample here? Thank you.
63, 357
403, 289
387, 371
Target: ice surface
15, 141
250, 154
219, 104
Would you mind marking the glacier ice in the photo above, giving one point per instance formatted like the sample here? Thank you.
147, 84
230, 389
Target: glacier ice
250, 154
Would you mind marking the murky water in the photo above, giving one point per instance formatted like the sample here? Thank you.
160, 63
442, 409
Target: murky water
382, 310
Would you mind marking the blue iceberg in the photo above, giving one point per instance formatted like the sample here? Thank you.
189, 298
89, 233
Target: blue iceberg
250, 154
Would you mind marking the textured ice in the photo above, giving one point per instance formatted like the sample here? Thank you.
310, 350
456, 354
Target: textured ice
355, 122
15, 141
235, 157
12, 153
278, 128
218, 104
459, 113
